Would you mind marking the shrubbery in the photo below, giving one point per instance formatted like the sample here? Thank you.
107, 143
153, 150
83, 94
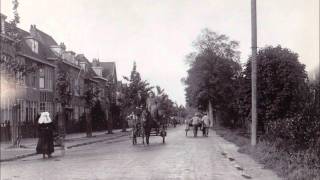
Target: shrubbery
287, 102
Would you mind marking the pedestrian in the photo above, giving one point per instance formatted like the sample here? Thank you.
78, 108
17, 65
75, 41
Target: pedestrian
195, 124
206, 125
174, 122
45, 131
188, 124
200, 122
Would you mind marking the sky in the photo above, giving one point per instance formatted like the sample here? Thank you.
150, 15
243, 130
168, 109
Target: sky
158, 34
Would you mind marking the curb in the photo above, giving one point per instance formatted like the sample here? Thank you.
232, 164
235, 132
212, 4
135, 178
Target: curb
18, 157
67, 147
96, 141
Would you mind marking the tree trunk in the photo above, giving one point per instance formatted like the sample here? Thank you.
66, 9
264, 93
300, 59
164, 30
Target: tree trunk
62, 122
123, 120
218, 118
109, 122
210, 114
88, 123
14, 126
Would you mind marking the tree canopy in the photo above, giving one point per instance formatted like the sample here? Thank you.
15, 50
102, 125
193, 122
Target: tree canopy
281, 84
214, 66
135, 91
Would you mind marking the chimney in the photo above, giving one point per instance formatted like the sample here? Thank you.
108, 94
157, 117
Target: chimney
3, 20
63, 46
95, 62
33, 31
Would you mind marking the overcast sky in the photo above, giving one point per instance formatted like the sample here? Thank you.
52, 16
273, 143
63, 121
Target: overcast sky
158, 34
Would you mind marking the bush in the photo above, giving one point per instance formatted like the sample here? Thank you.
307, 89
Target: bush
281, 86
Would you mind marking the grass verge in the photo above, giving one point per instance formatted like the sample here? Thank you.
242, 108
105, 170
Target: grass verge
303, 165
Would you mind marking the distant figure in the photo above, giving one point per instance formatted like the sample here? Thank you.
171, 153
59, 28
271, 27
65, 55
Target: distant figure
132, 120
174, 122
195, 123
205, 125
188, 124
45, 129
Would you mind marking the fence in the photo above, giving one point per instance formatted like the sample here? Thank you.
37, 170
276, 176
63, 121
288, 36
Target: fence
5, 131
26, 130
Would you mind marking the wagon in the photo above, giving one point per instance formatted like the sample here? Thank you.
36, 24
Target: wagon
141, 127
156, 125
158, 131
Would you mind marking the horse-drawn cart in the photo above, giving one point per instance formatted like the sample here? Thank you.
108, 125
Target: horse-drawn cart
145, 126
155, 130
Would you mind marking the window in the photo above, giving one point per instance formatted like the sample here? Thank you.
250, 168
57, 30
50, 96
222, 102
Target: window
98, 71
33, 80
20, 78
46, 78
41, 82
42, 106
76, 88
83, 66
76, 112
34, 46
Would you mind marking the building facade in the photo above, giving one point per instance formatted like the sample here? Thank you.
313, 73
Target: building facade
25, 94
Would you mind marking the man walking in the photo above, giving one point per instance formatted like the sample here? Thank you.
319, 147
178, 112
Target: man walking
195, 124
206, 125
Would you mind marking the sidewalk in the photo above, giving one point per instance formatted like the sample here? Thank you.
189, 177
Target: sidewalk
249, 168
28, 145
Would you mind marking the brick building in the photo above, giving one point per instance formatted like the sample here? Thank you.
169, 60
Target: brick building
23, 97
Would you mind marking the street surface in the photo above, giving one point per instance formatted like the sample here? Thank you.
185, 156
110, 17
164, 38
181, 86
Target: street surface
181, 157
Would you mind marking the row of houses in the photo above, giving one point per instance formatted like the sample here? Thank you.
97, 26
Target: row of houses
25, 95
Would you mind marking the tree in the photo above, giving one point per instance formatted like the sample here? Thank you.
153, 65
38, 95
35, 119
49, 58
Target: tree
110, 103
98, 116
214, 68
12, 68
282, 88
90, 96
165, 105
63, 95
134, 94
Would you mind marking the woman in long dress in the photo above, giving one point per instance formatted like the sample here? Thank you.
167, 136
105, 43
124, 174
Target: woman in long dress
45, 129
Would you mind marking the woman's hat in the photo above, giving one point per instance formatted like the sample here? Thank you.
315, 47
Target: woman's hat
44, 118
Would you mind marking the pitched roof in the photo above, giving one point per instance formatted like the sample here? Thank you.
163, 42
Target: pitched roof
43, 51
82, 58
41, 36
109, 68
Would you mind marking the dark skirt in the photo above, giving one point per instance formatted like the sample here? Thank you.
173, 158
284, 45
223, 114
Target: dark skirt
45, 142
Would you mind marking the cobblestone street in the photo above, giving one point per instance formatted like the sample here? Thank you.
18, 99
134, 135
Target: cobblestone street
182, 157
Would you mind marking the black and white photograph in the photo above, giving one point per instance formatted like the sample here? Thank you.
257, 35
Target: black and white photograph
159, 90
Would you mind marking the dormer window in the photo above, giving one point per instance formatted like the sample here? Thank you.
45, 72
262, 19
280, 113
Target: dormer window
98, 70
33, 44
83, 66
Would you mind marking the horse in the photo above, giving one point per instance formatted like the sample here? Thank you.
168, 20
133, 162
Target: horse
148, 124
136, 123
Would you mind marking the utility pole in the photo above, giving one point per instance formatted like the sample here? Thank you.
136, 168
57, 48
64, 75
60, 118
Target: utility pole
254, 72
